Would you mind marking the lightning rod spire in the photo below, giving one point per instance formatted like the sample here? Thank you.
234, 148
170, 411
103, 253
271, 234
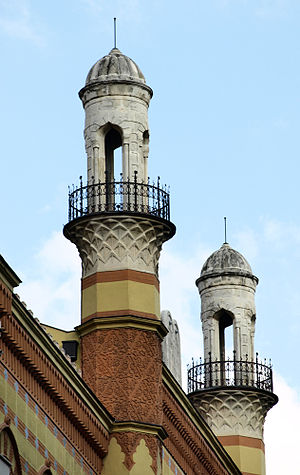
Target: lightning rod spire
115, 32
225, 229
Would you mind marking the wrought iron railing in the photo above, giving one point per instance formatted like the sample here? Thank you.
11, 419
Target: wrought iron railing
244, 372
119, 197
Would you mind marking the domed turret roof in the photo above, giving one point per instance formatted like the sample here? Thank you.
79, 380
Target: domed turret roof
226, 261
115, 66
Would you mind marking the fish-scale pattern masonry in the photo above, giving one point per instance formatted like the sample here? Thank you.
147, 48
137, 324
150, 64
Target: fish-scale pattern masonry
235, 412
108, 243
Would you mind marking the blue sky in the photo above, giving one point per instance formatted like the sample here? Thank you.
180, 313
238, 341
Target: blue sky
224, 123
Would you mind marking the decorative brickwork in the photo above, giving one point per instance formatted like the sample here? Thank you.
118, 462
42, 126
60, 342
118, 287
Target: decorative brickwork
20, 423
185, 443
5, 299
53, 392
123, 367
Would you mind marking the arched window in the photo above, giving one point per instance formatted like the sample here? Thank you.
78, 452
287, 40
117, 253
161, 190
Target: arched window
225, 320
9, 451
146, 153
45, 470
113, 140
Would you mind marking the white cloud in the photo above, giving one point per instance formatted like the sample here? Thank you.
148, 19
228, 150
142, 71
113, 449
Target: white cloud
16, 20
282, 431
52, 288
281, 235
246, 242
180, 296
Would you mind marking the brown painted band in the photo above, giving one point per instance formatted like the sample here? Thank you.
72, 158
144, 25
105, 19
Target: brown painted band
228, 440
120, 313
117, 275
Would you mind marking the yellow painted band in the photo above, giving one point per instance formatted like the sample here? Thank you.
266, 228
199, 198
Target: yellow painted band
249, 460
120, 296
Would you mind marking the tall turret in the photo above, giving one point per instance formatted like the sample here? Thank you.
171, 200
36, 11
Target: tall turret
119, 225
233, 394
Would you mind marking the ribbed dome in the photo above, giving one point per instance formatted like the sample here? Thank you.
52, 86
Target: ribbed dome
115, 66
226, 260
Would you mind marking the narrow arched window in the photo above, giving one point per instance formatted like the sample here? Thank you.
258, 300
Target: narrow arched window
9, 452
113, 161
225, 338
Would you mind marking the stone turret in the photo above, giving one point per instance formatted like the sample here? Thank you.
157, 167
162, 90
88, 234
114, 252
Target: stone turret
227, 289
233, 394
119, 226
116, 100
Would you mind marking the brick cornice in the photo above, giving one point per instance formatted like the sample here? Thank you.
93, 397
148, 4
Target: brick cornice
184, 423
126, 321
8, 276
5, 299
50, 388
33, 353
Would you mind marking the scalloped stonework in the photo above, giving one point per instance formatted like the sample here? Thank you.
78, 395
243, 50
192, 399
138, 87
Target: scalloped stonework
235, 412
107, 243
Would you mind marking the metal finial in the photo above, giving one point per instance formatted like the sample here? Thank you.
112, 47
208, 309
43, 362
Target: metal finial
115, 32
225, 229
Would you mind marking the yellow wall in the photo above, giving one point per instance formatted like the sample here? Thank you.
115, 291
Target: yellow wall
36, 436
61, 335
113, 462
249, 459
118, 296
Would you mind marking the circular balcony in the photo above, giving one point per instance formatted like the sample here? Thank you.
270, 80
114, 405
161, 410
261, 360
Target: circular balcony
122, 196
230, 373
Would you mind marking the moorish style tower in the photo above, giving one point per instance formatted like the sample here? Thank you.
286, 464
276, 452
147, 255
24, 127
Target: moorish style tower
119, 225
233, 395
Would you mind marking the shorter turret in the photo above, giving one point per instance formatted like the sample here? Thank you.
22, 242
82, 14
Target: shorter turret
232, 393
227, 289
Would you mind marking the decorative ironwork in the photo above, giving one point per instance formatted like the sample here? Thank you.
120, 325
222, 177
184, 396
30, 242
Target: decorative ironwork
119, 197
245, 372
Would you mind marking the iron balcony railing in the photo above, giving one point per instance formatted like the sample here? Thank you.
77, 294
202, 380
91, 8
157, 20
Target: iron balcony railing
119, 197
228, 373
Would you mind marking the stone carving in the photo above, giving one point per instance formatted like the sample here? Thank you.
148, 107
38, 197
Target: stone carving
171, 353
234, 412
127, 363
107, 243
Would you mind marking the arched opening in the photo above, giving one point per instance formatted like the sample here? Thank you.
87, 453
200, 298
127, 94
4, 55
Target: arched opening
9, 451
225, 319
45, 470
146, 153
225, 338
113, 160
253, 319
